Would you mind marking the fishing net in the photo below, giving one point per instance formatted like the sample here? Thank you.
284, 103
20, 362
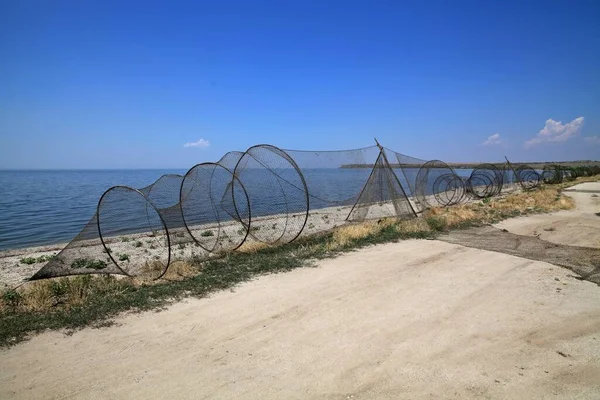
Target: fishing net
164, 195
271, 195
437, 184
230, 160
485, 181
277, 194
382, 195
85, 254
525, 176
406, 169
551, 174
449, 190
127, 235
585, 261
215, 208
133, 232
351, 185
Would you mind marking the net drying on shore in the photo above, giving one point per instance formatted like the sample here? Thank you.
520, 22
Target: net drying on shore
271, 196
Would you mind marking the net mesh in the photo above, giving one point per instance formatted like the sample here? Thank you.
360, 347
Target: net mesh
485, 181
382, 196
85, 254
437, 185
215, 223
584, 261
270, 195
277, 194
127, 235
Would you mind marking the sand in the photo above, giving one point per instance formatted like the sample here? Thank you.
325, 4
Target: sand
414, 319
577, 227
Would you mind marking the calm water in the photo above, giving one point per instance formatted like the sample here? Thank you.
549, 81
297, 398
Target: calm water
47, 207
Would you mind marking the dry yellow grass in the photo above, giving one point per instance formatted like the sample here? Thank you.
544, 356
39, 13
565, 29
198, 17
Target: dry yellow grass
67, 291
180, 270
412, 226
545, 199
252, 246
38, 296
581, 179
348, 233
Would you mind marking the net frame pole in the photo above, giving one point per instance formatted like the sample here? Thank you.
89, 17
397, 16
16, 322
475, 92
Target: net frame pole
385, 160
387, 166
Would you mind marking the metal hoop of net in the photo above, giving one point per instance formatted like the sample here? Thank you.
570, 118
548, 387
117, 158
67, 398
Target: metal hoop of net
164, 194
485, 181
527, 177
207, 195
133, 233
277, 193
426, 187
449, 190
230, 160
552, 174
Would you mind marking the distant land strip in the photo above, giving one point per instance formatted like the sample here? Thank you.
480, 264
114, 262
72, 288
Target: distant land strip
535, 165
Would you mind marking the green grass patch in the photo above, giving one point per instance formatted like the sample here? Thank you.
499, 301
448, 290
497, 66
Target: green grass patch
34, 260
88, 263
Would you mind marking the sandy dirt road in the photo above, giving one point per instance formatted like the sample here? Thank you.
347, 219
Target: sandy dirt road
408, 320
577, 227
416, 319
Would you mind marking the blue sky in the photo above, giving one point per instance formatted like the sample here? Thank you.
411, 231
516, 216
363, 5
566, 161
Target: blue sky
106, 84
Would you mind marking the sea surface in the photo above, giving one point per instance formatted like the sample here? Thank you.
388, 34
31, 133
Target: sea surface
49, 207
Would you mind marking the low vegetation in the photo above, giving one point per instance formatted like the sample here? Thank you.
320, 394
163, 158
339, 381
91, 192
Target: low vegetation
74, 302
34, 260
88, 263
547, 199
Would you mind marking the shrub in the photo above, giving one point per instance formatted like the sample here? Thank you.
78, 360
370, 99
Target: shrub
207, 233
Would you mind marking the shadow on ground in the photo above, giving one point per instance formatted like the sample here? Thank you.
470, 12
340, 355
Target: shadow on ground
585, 261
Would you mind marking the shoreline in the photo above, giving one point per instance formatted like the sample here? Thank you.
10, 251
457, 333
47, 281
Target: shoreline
183, 247
471, 165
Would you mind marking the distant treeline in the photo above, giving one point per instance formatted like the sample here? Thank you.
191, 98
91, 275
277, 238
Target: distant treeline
535, 165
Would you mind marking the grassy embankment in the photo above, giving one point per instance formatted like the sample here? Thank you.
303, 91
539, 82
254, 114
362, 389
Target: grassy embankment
74, 302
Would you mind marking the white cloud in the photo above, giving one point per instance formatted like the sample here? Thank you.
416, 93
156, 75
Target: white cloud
556, 131
200, 143
592, 139
492, 140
